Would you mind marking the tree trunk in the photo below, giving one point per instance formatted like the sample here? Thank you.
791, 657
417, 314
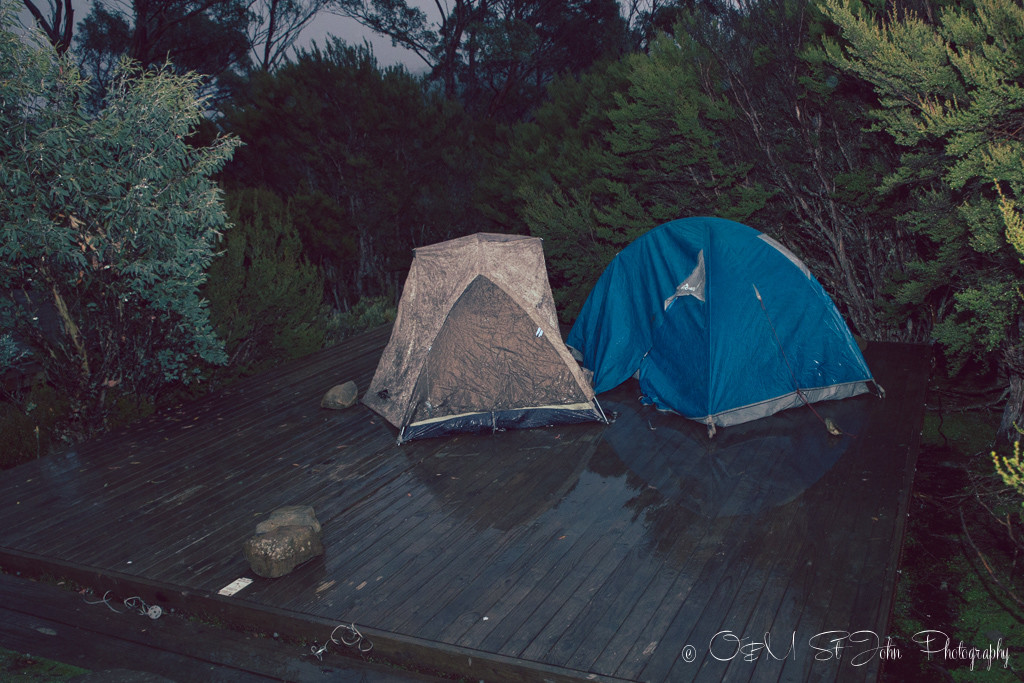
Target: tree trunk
71, 329
1013, 411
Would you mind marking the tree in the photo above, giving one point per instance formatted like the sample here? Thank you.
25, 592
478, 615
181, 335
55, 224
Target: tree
409, 27
801, 124
275, 26
109, 224
950, 93
517, 47
100, 45
208, 37
734, 113
374, 164
548, 166
617, 152
498, 55
211, 37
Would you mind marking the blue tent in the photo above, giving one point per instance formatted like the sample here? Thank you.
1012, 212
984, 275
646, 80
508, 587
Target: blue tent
719, 323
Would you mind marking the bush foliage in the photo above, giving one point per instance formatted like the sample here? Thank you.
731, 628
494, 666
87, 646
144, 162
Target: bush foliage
367, 313
265, 297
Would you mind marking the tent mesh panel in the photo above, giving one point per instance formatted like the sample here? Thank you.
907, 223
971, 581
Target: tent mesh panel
488, 356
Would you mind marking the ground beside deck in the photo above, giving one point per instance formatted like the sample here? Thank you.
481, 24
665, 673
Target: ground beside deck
639, 550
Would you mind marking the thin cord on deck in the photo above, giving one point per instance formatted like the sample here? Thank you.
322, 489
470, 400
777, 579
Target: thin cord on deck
133, 603
350, 637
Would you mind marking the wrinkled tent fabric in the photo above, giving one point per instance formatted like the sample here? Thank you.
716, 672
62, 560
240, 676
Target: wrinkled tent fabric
476, 344
719, 323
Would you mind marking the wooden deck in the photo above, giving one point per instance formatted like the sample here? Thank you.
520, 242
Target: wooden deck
639, 550
53, 622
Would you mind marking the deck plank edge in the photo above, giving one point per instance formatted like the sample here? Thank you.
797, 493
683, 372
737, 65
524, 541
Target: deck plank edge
401, 650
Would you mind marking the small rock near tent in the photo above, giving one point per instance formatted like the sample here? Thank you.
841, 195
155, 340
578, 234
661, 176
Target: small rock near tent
719, 323
476, 344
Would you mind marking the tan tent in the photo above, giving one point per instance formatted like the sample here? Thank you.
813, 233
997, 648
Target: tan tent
476, 344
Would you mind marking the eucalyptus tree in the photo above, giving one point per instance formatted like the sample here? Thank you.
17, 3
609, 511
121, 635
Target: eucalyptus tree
108, 226
275, 26
206, 36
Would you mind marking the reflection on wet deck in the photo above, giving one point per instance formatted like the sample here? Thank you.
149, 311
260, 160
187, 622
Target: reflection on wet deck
617, 551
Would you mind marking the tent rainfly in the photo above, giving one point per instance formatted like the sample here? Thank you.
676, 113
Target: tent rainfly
719, 323
476, 344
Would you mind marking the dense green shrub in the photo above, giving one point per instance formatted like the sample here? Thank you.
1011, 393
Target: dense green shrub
30, 423
950, 94
265, 297
367, 313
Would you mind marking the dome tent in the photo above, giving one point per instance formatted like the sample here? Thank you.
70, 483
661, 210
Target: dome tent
719, 323
476, 344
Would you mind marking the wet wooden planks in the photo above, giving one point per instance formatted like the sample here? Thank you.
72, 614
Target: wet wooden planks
579, 550
63, 625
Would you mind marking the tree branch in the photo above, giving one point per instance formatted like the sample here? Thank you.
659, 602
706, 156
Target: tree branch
58, 30
988, 568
